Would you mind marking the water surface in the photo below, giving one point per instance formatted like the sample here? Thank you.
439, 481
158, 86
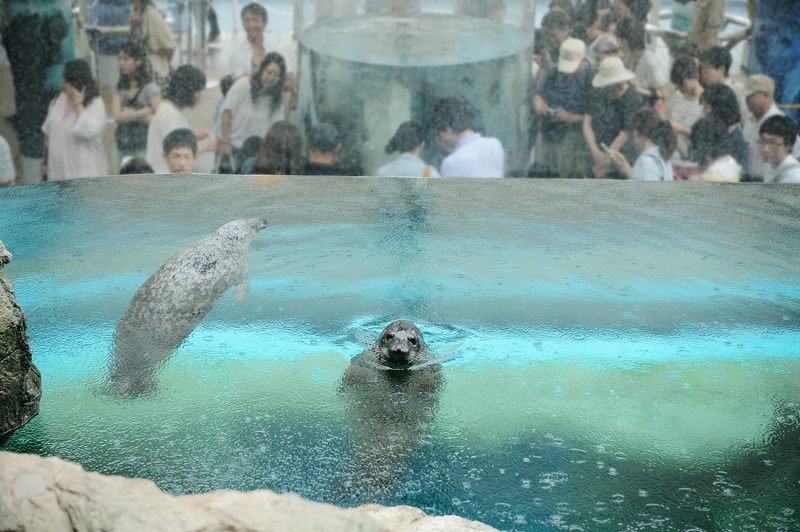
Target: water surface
629, 352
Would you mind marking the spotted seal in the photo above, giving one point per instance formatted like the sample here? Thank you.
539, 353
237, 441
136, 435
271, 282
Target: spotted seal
392, 390
170, 304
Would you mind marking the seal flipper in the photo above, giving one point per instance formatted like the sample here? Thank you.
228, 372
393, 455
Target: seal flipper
243, 286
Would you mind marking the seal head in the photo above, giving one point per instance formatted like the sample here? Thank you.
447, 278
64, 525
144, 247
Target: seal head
241, 230
401, 345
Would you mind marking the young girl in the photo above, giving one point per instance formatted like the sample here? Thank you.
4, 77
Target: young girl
134, 103
683, 110
655, 142
409, 141
712, 151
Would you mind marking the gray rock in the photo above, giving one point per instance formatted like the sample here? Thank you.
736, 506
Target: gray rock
20, 381
50, 494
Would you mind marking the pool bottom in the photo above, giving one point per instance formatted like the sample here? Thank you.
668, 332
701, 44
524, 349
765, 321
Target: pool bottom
705, 444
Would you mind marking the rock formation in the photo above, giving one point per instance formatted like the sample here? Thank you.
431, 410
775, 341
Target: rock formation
50, 494
20, 381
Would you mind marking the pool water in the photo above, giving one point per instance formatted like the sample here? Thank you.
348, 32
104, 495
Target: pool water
628, 353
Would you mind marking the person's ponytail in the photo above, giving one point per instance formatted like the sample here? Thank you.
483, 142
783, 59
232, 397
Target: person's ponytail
665, 139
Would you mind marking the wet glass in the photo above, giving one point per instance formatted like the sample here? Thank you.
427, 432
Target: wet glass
628, 353
369, 67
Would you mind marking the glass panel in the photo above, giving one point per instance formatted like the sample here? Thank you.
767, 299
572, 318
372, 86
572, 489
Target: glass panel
628, 352
369, 67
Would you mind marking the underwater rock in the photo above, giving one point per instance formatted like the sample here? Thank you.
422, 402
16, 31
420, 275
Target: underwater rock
52, 494
20, 381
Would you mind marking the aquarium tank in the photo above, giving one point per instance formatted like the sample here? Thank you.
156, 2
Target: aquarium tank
615, 355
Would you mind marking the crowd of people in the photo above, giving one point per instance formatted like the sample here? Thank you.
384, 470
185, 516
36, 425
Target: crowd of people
606, 107
603, 106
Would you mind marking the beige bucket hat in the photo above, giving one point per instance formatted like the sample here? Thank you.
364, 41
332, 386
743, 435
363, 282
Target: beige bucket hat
612, 71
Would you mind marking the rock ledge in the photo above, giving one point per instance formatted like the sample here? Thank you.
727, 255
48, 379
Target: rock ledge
20, 381
50, 494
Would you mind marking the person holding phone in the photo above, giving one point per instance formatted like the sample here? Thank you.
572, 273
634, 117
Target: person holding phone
611, 106
655, 141
561, 103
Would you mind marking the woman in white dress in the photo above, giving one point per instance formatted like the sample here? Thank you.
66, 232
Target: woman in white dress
74, 126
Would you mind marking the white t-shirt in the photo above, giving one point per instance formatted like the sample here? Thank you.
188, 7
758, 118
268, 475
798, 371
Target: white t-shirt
75, 143
787, 172
240, 55
407, 165
650, 71
475, 156
649, 166
249, 118
756, 166
684, 112
725, 170
167, 119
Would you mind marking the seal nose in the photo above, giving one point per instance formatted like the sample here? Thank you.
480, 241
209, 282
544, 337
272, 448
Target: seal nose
399, 351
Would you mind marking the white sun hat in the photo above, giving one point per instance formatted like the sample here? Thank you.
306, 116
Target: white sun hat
611, 72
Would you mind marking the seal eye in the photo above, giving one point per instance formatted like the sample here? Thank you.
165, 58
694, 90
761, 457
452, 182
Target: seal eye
388, 336
412, 341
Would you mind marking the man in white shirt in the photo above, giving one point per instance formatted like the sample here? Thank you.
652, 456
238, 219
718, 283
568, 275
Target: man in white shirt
249, 50
759, 90
471, 154
776, 138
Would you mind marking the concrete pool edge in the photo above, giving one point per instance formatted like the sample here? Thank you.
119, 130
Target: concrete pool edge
53, 494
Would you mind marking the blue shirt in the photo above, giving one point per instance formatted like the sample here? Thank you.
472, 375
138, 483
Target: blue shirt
567, 91
110, 13
407, 165
475, 156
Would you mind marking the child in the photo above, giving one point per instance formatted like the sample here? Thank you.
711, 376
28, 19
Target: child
135, 166
180, 151
776, 139
711, 150
135, 101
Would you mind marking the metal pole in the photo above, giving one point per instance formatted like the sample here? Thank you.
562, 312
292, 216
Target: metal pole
235, 9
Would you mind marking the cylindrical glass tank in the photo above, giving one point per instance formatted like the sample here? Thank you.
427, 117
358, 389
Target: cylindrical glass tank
369, 65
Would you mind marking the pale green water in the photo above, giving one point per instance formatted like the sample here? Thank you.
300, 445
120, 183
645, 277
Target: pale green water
629, 353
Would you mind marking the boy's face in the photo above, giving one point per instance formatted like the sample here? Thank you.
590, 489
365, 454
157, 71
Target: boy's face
772, 149
712, 76
180, 160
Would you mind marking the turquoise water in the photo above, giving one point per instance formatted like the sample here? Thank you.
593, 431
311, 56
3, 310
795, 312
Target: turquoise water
629, 352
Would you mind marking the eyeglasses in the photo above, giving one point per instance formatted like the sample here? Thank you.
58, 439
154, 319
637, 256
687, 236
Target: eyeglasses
770, 143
